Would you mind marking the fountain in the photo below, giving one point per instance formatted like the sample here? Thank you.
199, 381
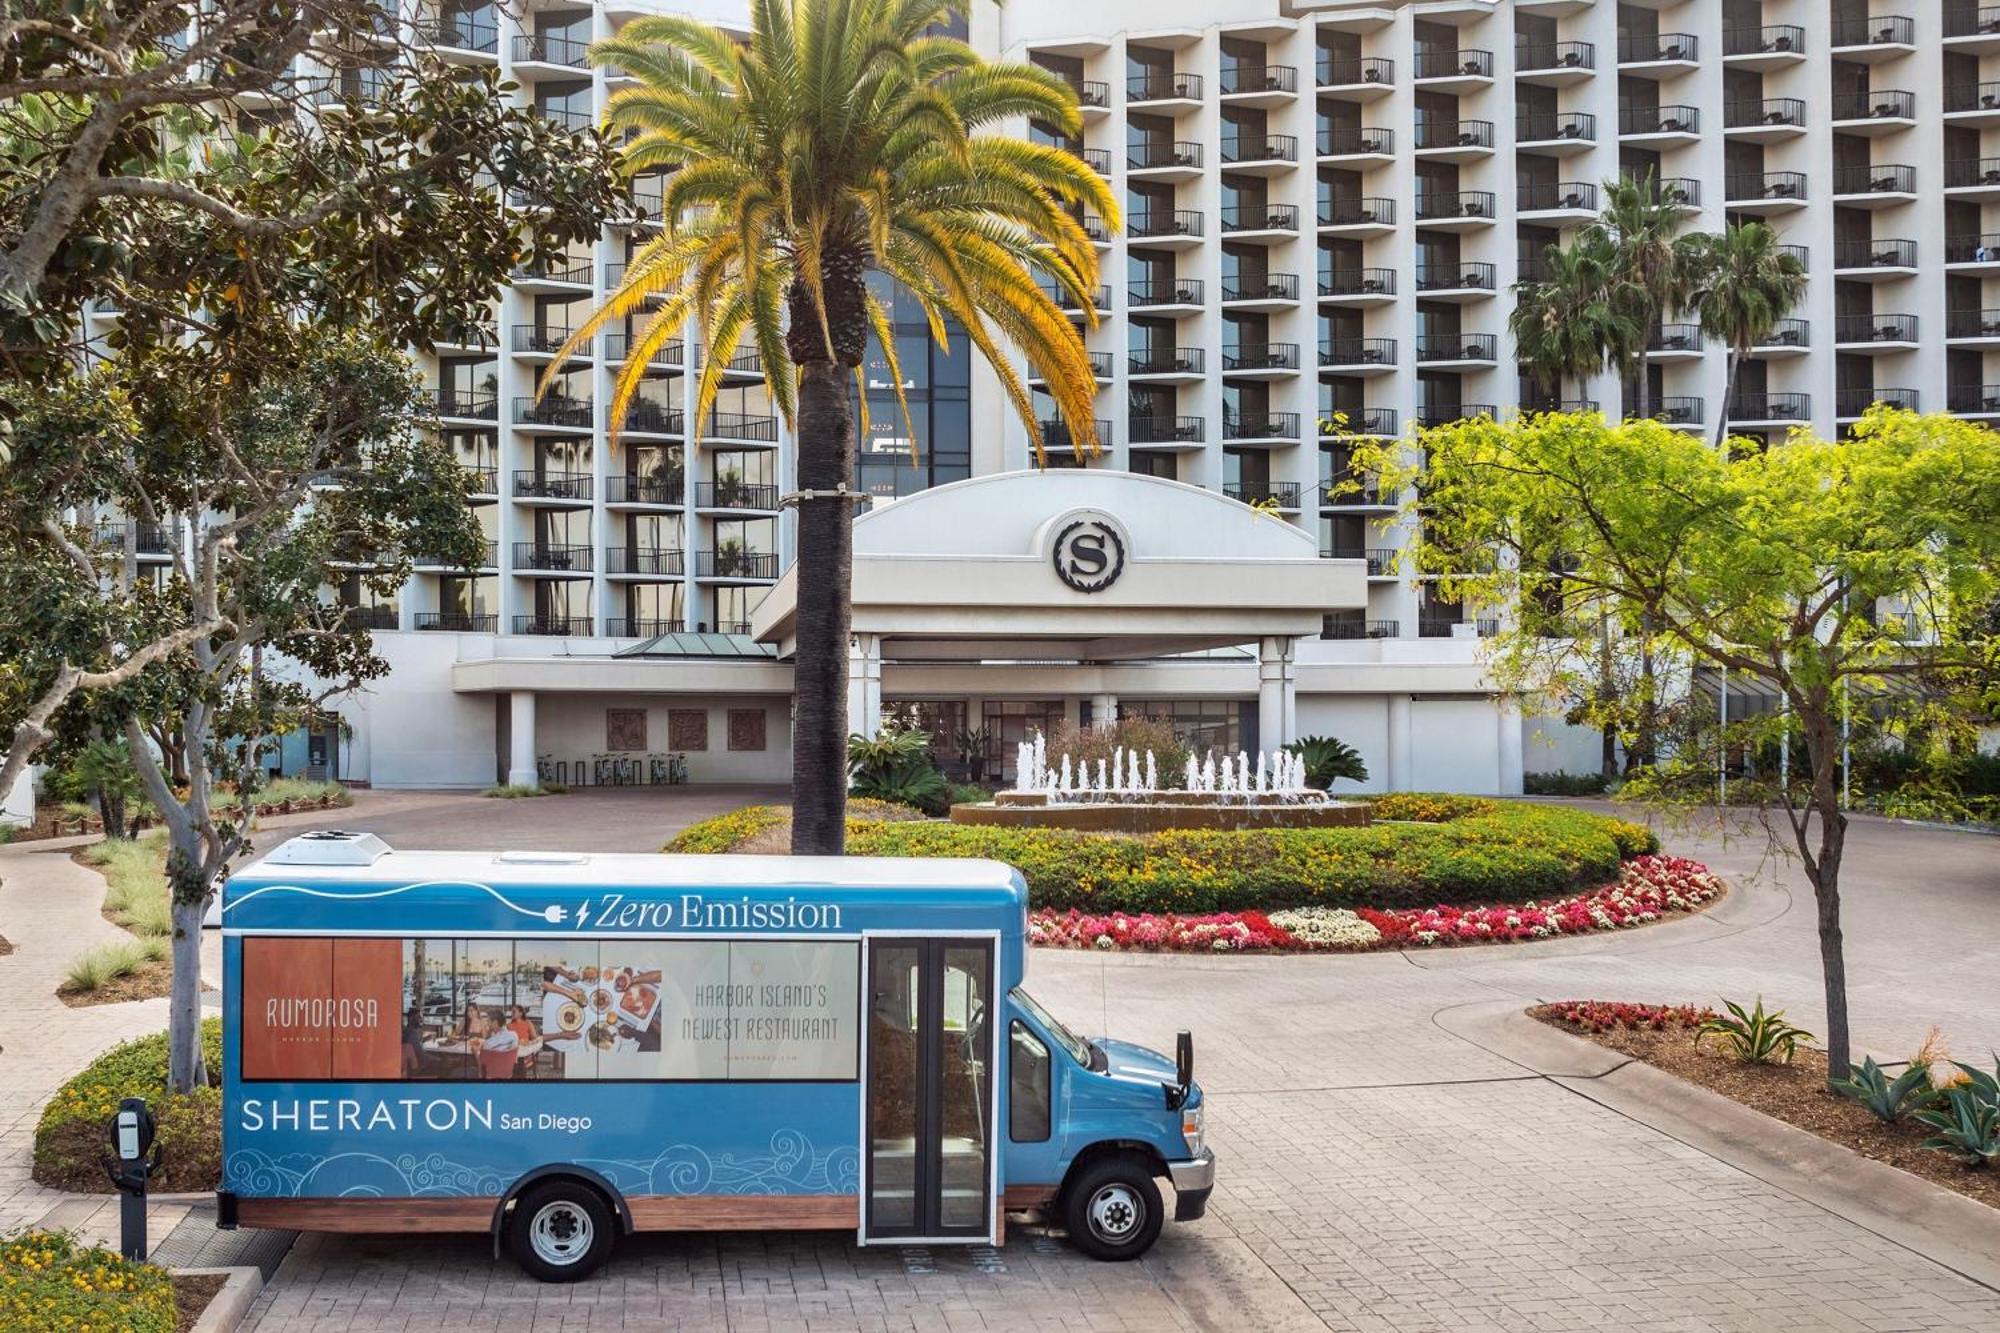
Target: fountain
1124, 797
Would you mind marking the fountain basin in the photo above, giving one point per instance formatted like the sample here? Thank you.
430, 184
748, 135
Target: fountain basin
1160, 811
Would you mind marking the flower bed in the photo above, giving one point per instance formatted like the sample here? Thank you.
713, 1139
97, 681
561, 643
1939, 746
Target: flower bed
1647, 889
69, 1138
48, 1280
1424, 849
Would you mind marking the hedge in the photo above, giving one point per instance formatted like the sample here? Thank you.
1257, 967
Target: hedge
1425, 849
71, 1135
49, 1280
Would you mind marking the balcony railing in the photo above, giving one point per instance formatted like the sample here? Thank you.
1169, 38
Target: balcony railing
1875, 254
1242, 78
664, 561
474, 406
1337, 627
1745, 113
1163, 85
1357, 282
1972, 324
1545, 404
1367, 210
1056, 434
1347, 491
147, 538
1159, 223
1968, 21
1364, 421
1260, 426
1437, 205
1092, 93
1443, 414
738, 426
569, 559
1680, 191
462, 32
489, 558
1357, 352
1770, 40
480, 480
554, 411
1877, 30
641, 627
1848, 329
1980, 398
549, 50
553, 626
1972, 249
1355, 141
1856, 402
1164, 430
1456, 347
1446, 627
1673, 119
1568, 195
1260, 356
725, 563
1261, 287
624, 489
1746, 186
1167, 361
1100, 298
649, 417
1454, 134
1283, 494
1434, 62
1972, 97
535, 485
1770, 407
618, 347
735, 495
1539, 56
1239, 148
1097, 159
459, 622
1885, 104
1454, 277
542, 338
1677, 410
1880, 179
1635, 49
1574, 126
1787, 333
1163, 292
573, 118
1968, 172
1259, 217
1162, 153
1380, 558
1343, 72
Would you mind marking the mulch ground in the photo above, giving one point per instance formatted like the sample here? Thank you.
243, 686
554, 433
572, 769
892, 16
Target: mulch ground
192, 1293
1797, 1094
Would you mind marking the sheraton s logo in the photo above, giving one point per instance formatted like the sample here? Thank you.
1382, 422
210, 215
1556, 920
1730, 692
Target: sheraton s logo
1089, 552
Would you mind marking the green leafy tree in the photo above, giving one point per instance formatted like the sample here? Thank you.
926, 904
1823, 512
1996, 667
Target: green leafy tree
845, 136
1741, 283
1869, 566
1569, 323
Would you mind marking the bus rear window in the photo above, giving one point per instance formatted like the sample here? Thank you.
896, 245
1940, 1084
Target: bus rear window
540, 1009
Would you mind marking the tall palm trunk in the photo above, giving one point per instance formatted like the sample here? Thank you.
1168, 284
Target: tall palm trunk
826, 451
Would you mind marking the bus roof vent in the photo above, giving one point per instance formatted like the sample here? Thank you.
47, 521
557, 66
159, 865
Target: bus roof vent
329, 847
541, 859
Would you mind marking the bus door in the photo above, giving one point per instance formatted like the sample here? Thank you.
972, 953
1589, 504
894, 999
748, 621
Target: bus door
928, 1099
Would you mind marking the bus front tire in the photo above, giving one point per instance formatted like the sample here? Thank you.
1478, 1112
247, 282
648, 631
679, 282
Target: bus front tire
1112, 1209
561, 1231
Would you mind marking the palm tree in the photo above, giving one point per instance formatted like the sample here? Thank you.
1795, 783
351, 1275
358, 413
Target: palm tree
844, 136
1743, 282
1568, 323
1649, 268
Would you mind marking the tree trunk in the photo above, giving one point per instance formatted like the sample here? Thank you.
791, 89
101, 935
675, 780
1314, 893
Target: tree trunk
1646, 739
1822, 866
1606, 691
188, 887
1728, 394
826, 430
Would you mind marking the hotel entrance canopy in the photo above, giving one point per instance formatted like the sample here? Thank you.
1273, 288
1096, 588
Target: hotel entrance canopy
1074, 565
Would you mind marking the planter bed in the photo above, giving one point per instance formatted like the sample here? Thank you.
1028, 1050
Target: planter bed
1795, 1093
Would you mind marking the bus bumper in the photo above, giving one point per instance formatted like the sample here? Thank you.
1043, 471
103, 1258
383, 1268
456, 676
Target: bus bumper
1193, 1182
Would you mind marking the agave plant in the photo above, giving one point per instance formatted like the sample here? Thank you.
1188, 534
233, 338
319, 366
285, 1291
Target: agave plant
1888, 1099
1967, 1124
1328, 760
1758, 1037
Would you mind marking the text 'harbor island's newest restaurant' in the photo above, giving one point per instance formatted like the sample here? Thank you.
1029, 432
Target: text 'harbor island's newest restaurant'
1326, 207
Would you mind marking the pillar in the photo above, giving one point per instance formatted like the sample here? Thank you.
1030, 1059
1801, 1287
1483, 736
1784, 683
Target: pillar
864, 684
1512, 765
1401, 776
1277, 692
521, 740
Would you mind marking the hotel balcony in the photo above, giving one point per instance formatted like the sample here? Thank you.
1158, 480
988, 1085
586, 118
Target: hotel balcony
1675, 342
1974, 400
1428, 415
1772, 46
560, 52
1538, 404
1367, 215
1056, 434
1770, 409
457, 36
1973, 328
1357, 286
1177, 296
1563, 134
1876, 334
1100, 299
1850, 404
1358, 356
1358, 146
1463, 351
1164, 161
571, 414
1265, 361
618, 348
1259, 154
1347, 491
1092, 95
627, 627
1974, 179
454, 405
660, 492
1681, 192
1662, 57
1680, 410
570, 275
1260, 291
1554, 64
642, 562
543, 558
1874, 261
1381, 559
1883, 186
1659, 126
1559, 201
757, 497
1874, 112
489, 558
1457, 283
645, 416
1161, 91
1972, 104
1265, 494
459, 622
1972, 253
1260, 427
539, 342
1164, 228
1375, 422
730, 564
553, 626
1456, 210
1356, 79
1265, 224
1448, 627
1443, 70
1243, 84
1454, 140
558, 489
1764, 120
481, 483
1764, 192
1872, 39
1165, 432
1788, 337
736, 428
1340, 628
1097, 159
1167, 365
1972, 29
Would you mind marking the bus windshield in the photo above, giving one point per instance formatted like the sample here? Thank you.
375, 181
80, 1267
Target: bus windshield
1078, 1048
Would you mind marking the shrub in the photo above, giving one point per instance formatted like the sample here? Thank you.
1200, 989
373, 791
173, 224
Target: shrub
1756, 1038
135, 883
1090, 745
1888, 1099
1450, 849
1967, 1125
70, 1136
517, 791
48, 1280
1610, 1016
107, 962
1560, 783
895, 766
1328, 760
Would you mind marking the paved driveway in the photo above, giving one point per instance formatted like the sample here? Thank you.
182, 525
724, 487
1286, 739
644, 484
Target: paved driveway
1378, 1172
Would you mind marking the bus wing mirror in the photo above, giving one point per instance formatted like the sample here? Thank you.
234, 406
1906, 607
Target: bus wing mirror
1177, 1091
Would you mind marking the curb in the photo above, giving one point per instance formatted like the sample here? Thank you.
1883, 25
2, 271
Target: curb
226, 1311
1949, 1229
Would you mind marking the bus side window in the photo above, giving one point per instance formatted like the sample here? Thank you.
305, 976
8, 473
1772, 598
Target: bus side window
1027, 1085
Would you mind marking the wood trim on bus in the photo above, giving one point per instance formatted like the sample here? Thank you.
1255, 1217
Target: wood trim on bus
694, 1212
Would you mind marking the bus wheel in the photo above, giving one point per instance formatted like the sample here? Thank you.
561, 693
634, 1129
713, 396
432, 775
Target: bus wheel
1112, 1209
561, 1231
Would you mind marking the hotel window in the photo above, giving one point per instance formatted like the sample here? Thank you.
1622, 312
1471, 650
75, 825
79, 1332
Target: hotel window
734, 604
1204, 725
937, 386
1008, 722
655, 608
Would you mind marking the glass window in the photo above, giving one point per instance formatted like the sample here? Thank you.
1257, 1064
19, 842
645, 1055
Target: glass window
1027, 1085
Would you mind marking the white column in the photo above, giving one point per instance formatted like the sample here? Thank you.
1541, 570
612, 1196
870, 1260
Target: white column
1512, 764
864, 684
1400, 777
521, 739
1277, 692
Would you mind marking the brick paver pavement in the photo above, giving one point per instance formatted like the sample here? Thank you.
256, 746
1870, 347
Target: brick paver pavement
1377, 1173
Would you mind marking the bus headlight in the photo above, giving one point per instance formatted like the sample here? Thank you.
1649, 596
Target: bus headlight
1191, 1129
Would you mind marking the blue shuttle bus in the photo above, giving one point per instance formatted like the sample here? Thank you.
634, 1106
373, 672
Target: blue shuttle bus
562, 1049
